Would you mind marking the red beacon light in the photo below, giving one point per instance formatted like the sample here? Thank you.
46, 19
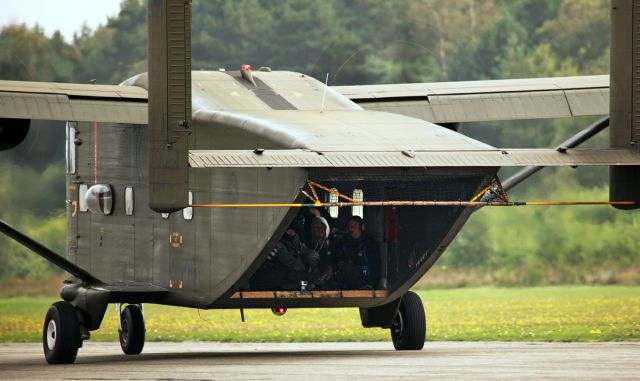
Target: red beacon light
247, 74
279, 311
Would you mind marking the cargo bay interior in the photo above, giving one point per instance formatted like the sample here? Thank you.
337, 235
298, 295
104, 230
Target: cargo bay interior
367, 247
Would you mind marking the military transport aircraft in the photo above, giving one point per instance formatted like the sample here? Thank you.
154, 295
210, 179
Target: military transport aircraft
181, 185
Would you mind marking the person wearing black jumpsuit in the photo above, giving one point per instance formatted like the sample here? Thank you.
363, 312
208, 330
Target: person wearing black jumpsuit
359, 260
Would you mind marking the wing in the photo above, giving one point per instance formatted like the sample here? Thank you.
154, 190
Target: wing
77, 102
475, 101
446, 102
351, 138
356, 138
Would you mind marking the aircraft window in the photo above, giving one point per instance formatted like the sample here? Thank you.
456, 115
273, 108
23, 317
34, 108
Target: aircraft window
333, 210
82, 191
128, 201
99, 199
187, 212
358, 195
70, 146
165, 215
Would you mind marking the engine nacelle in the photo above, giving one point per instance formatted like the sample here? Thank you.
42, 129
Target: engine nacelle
13, 132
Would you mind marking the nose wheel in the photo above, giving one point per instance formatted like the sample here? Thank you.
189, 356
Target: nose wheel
409, 327
61, 334
131, 329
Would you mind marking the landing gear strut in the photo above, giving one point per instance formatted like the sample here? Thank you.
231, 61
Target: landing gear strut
61, 334
409, 328
131, 329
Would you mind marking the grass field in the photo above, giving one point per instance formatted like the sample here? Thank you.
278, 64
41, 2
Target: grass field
525, 314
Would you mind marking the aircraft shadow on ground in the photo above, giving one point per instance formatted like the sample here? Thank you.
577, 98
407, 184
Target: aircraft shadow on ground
240, 355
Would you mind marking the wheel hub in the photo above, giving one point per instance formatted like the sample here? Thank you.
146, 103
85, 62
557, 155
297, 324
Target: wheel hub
125, 332
51, 334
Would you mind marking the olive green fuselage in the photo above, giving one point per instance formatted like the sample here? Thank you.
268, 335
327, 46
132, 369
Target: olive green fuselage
202, 262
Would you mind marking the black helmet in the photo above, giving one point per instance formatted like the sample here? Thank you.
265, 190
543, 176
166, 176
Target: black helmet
297, 225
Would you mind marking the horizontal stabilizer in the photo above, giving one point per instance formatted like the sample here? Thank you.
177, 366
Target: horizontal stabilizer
479, 158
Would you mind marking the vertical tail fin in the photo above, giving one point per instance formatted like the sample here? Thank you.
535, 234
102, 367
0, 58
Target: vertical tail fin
624, 182
169, 55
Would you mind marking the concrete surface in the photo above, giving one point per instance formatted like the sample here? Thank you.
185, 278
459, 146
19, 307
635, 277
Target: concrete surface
331, 361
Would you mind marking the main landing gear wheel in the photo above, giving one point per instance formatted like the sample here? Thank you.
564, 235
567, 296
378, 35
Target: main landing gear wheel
409, 327
61, 334
132, 330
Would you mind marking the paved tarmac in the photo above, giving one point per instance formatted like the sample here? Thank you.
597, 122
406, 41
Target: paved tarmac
330, 362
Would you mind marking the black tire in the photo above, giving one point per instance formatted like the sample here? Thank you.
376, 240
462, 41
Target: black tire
409, 328
132, 331
61, 334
